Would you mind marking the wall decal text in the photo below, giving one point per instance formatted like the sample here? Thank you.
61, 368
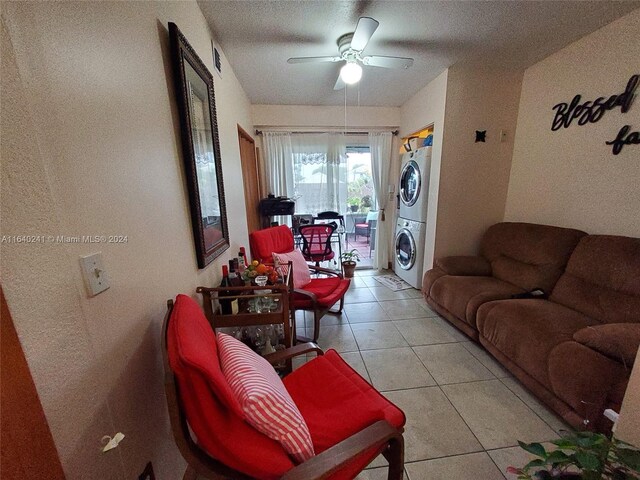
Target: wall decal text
592, 111
620, 141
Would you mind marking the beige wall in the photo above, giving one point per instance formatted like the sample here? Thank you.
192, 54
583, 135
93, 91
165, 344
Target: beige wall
474, 177
570, 177
319, 116
427, 107
468, 184
90, 145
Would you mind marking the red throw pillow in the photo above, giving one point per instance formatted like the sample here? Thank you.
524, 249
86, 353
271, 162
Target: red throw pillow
301, 275
267, 405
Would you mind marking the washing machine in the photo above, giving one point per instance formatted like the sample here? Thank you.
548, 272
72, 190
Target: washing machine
415, 170
409, 250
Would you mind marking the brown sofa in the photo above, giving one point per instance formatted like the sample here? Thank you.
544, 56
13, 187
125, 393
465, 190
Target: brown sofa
574, 350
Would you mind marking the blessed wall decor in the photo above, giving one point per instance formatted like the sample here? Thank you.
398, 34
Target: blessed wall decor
592, 111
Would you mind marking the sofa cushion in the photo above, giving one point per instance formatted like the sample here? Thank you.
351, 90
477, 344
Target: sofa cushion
619, 341
529, 255
525, 331
464, 265
462, 295
601, 279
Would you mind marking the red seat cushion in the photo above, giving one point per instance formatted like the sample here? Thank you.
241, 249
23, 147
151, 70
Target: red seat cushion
328, 291
211, 409
327, 388
336, 403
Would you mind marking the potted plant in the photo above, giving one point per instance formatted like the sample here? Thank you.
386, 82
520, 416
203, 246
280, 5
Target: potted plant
354, 204
581, 455
349, 260
367, 203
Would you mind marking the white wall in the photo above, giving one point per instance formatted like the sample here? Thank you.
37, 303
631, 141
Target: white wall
427, 107
91, 146
474, 177
319, 116
570, 177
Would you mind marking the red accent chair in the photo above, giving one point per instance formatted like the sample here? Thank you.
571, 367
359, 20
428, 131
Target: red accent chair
319, 295
350, 422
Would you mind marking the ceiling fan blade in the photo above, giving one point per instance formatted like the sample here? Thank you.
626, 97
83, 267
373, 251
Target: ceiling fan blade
365, 28
313, 59
339, 83
387, 62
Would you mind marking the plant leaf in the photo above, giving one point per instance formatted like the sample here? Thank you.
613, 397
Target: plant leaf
564, 443
538, 462
558, 456
588, 461
535, 448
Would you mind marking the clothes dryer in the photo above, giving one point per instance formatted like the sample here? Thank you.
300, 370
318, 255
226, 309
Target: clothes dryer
409, 250
414, 184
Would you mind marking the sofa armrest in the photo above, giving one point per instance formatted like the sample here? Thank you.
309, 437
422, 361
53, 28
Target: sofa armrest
464, 265
619, 341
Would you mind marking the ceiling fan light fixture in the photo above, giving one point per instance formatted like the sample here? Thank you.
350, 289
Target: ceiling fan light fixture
351, 73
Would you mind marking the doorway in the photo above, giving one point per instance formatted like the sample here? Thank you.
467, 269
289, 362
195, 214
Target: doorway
250, 179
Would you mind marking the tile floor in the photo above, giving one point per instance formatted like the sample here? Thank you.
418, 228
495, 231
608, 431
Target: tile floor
465, 412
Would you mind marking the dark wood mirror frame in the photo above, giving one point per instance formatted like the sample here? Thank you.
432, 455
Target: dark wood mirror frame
210, 229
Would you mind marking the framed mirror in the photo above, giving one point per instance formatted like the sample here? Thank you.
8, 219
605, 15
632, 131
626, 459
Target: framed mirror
201, 149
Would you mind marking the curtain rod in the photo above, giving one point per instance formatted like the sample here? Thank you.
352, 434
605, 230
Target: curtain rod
393, 132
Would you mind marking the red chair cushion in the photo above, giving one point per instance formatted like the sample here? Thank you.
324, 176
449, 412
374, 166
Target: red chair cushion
336, 403
211, 409
327, 290
275, 239
266, 403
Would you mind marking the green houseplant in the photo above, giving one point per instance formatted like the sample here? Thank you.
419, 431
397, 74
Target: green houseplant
354, 203
349, 260
581, 455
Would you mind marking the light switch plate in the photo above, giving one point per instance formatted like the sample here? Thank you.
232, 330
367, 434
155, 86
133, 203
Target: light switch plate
94, 273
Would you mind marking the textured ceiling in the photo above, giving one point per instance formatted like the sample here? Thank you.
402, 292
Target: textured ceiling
258, 36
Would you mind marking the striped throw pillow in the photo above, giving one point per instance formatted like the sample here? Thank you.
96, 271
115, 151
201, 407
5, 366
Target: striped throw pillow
267, 405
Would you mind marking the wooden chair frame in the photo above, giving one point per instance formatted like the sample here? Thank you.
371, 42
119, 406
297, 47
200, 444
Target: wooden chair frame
318, 310
381, 435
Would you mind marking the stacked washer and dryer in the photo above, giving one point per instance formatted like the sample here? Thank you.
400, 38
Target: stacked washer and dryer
411, 226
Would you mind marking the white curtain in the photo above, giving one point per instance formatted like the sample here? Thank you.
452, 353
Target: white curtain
278, 156
319, 170
380, 148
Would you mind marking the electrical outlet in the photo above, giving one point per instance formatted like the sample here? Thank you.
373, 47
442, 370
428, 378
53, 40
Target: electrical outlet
147, 473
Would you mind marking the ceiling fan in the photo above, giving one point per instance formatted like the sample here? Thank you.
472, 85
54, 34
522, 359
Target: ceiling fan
350, 47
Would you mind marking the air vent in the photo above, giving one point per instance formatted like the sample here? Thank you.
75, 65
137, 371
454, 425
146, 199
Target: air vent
217, 60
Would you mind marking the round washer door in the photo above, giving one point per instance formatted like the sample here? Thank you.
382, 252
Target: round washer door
405, 249
410, 181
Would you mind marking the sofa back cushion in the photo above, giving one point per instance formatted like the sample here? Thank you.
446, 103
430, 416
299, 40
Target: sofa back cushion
529, 255
602, 279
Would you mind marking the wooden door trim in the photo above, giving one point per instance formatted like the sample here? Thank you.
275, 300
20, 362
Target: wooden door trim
28, 450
